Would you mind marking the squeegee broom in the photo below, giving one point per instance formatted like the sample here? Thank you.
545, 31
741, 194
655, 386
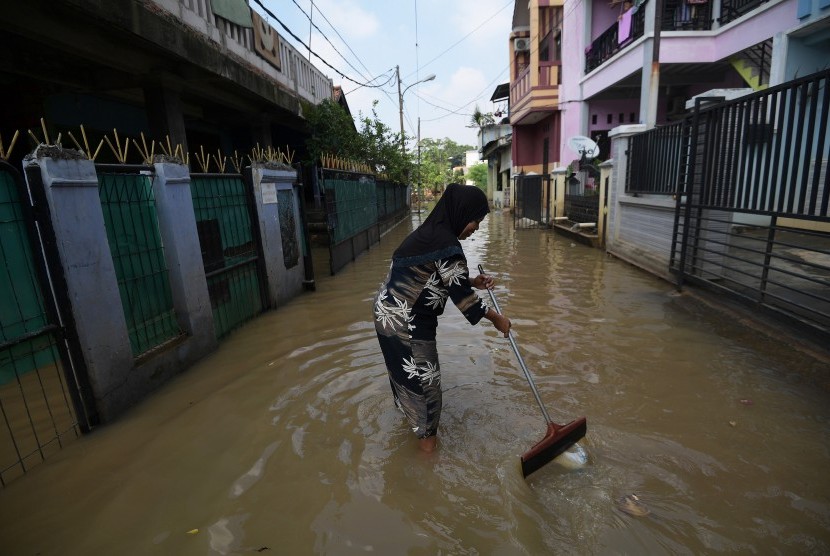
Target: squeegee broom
558, 438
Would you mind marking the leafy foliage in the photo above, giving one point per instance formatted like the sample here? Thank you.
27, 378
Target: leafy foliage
334, 132
480, 119
478, 175
382, 148
436, 162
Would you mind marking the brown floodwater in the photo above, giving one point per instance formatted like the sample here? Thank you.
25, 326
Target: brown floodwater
286, 440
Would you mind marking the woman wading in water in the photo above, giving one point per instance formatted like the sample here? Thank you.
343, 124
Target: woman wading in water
427, 268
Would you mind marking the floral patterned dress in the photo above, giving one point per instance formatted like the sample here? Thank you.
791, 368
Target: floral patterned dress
406, 310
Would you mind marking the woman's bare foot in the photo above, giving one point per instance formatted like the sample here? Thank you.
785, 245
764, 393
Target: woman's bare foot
427, 444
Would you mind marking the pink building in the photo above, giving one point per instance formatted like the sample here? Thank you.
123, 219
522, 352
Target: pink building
584, 67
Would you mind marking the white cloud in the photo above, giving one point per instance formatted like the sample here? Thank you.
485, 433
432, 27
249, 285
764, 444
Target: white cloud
350, 20
465, 84
485, 19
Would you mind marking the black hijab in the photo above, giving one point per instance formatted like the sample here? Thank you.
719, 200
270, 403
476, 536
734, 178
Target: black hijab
438, 235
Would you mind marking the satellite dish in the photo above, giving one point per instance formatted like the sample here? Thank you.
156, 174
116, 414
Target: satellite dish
583, 145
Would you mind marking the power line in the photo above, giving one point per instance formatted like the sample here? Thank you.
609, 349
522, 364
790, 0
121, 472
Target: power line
454, 112
308, 16
462, 39
388, 96
418, 67
299, 40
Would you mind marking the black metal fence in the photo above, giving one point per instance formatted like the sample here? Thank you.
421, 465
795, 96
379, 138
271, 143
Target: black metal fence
766, 152
609, 43
733, 9
657, 159
680, 15
752, 203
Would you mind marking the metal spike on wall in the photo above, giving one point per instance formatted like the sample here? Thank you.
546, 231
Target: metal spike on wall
5, 154
220, 160
85, 148
118, 150
204, 161
146, 154
36, 139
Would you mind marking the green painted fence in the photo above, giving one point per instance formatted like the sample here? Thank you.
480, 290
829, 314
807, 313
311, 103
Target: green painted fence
230, 248
351, 205
138, 255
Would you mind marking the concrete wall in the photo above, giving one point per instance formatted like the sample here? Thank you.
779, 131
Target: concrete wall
117, 378
283, 283
70, 188
639, 229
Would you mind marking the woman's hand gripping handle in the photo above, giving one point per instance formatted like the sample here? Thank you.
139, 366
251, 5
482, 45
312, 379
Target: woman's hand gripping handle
501, 322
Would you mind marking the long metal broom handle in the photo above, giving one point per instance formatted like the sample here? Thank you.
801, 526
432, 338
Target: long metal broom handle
528, 376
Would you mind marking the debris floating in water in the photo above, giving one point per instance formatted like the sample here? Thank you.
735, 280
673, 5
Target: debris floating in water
631, 504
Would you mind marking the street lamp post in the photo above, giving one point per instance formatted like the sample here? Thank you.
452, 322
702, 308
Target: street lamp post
430, 77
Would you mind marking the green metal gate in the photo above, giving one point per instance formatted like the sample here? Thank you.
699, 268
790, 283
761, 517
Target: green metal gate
231, 250
40, 399
138, 255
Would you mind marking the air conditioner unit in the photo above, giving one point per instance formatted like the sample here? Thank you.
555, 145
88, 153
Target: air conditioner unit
520, 45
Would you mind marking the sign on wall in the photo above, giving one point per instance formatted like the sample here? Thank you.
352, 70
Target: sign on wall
266, 41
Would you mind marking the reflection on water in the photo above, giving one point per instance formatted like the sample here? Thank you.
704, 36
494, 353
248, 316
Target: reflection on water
286, 441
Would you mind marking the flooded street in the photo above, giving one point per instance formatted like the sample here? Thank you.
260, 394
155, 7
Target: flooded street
286, 440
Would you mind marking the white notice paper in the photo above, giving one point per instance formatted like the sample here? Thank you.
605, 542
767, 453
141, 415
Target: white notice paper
269, 193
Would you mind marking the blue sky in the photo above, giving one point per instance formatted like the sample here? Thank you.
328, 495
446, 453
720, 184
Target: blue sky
463, 42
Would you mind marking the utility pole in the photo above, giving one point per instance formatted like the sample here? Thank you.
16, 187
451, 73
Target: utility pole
430, 77
418, 192
654, 81
400, 105
310, 15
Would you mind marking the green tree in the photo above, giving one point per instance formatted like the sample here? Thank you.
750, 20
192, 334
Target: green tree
382, 148
332, 132
478, 175
436, 166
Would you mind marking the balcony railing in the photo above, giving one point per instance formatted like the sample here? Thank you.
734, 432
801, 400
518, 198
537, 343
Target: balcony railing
678, 15
520, 87
550, 76
609, 42
733, 9
296, 72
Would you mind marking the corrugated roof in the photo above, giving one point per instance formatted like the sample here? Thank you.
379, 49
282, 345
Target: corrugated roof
502, 92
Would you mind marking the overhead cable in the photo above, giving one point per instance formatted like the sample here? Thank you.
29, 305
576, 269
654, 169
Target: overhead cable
475, 99
462, 39
299, 40
360, 73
